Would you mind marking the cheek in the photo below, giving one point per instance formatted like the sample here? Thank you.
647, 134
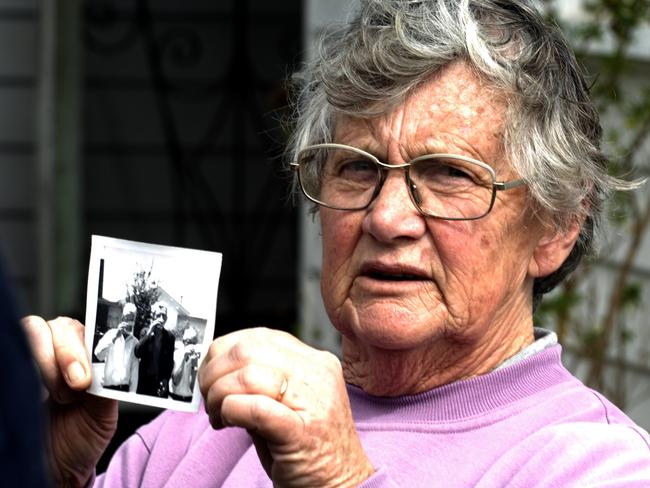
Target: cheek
485, 264
470, 265
469, 246
340, 235
463, 248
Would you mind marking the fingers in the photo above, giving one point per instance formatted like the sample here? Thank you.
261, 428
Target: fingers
243, 346
230, 353
262, 415
291, 398
59, 351
251, 346
250, 380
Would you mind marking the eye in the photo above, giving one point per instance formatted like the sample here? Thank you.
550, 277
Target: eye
353, 168
449, 173
455, 172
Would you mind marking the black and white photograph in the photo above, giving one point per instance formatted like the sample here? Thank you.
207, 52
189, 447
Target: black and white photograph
149, 318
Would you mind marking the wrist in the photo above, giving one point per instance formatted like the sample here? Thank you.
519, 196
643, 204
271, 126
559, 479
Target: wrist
354, 478
74, 479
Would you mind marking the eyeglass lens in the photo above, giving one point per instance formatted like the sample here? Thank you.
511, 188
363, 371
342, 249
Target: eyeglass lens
443, 187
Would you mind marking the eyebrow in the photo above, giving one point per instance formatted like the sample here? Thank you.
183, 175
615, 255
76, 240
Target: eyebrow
426, 148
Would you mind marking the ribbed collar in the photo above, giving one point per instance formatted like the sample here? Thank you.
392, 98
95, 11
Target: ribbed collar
466, 398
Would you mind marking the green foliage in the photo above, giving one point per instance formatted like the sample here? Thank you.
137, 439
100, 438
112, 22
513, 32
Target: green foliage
619, 208
631, 295
611, 25
556, 305
626, 335
591, 337
143, 291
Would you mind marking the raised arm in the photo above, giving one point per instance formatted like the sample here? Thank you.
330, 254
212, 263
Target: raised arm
101, 351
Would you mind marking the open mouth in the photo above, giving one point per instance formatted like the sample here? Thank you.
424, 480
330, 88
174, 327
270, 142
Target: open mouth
384, 273
378, 275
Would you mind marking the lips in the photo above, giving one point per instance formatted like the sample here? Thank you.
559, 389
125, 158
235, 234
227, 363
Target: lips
387, 272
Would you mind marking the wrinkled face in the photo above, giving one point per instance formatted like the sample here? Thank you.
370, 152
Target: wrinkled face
128, 317
394, 279
159, 314
189, 337
128, 321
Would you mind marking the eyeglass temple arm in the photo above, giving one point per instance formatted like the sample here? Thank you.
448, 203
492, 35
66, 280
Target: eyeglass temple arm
507, 185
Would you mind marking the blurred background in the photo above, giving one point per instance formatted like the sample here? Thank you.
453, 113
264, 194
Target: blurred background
160, 121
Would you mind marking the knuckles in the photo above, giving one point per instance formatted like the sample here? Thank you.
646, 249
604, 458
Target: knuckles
241, 353
330, 362
213, 351
248, 378
255, 357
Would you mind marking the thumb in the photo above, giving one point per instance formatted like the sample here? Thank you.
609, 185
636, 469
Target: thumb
262, 415
70, 352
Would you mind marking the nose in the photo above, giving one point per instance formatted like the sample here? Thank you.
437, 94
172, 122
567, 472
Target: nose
392, 214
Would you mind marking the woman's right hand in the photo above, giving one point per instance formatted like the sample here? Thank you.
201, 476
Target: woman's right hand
81, 425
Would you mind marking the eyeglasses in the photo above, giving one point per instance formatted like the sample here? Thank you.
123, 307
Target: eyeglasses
444, 186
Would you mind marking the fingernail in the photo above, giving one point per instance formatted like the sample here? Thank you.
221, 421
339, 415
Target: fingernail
76, 373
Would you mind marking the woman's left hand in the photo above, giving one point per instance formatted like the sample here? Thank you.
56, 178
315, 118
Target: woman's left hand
293, 401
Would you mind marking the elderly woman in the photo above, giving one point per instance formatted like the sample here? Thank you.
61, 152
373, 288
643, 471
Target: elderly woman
453, 156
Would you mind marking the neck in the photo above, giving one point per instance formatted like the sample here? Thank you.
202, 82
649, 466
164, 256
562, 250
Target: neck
384, 372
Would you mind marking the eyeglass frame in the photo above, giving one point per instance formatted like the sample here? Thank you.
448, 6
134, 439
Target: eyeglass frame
385, 167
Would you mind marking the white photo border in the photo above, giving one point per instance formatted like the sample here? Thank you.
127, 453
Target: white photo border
210, 271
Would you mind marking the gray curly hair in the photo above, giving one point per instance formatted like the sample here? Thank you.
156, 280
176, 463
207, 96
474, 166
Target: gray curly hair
552, 132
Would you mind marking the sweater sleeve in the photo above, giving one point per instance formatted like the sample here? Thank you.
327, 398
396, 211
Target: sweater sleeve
127, 466
579, 454
177, 449
380, 479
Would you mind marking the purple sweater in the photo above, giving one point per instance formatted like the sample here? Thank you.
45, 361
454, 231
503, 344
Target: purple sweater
529, 424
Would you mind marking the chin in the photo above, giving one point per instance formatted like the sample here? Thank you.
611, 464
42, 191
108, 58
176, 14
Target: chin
387, 326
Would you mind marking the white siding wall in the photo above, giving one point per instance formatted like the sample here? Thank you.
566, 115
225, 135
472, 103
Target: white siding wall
314, 324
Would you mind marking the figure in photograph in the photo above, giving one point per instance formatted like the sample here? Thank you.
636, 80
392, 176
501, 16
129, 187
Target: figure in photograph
116, 349
156, 353
186, 364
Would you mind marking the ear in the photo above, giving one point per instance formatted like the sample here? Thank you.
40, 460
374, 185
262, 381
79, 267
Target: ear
552, 249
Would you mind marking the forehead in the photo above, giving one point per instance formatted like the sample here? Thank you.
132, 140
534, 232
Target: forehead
455, 111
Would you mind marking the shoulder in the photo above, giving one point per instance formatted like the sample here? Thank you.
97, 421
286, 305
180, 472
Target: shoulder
591, 421
576, 438
595, 438
574, 414
577, 454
